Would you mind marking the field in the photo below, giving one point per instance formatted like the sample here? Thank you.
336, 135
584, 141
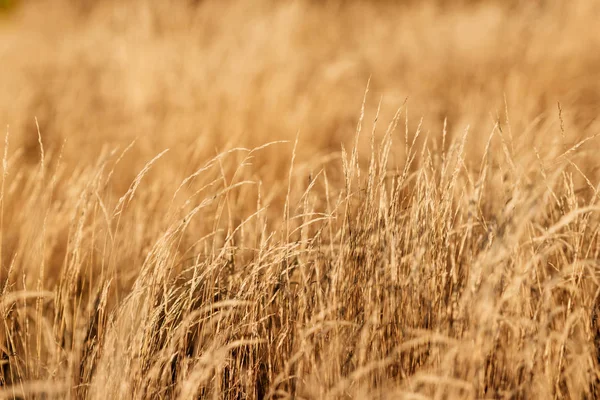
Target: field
300, 199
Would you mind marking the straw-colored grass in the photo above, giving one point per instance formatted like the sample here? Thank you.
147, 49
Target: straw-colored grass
301, 199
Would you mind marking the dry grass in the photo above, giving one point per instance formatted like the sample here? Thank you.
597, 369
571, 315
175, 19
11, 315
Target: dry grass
436, 238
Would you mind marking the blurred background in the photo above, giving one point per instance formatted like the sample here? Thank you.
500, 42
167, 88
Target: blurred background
222, 73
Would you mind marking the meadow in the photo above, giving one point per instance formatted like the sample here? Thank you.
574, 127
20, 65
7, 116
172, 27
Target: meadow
299, 199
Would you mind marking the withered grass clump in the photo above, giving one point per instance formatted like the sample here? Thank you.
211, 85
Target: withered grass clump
189, 208
440, 277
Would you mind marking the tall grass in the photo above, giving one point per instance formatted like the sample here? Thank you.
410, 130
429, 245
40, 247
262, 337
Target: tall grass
397, 258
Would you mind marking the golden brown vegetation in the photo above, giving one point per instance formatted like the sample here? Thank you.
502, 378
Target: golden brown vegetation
197, 201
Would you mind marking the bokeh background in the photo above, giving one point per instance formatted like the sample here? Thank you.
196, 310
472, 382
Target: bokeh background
173, 73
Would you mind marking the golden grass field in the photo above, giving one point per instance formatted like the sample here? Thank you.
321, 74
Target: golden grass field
299, 199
